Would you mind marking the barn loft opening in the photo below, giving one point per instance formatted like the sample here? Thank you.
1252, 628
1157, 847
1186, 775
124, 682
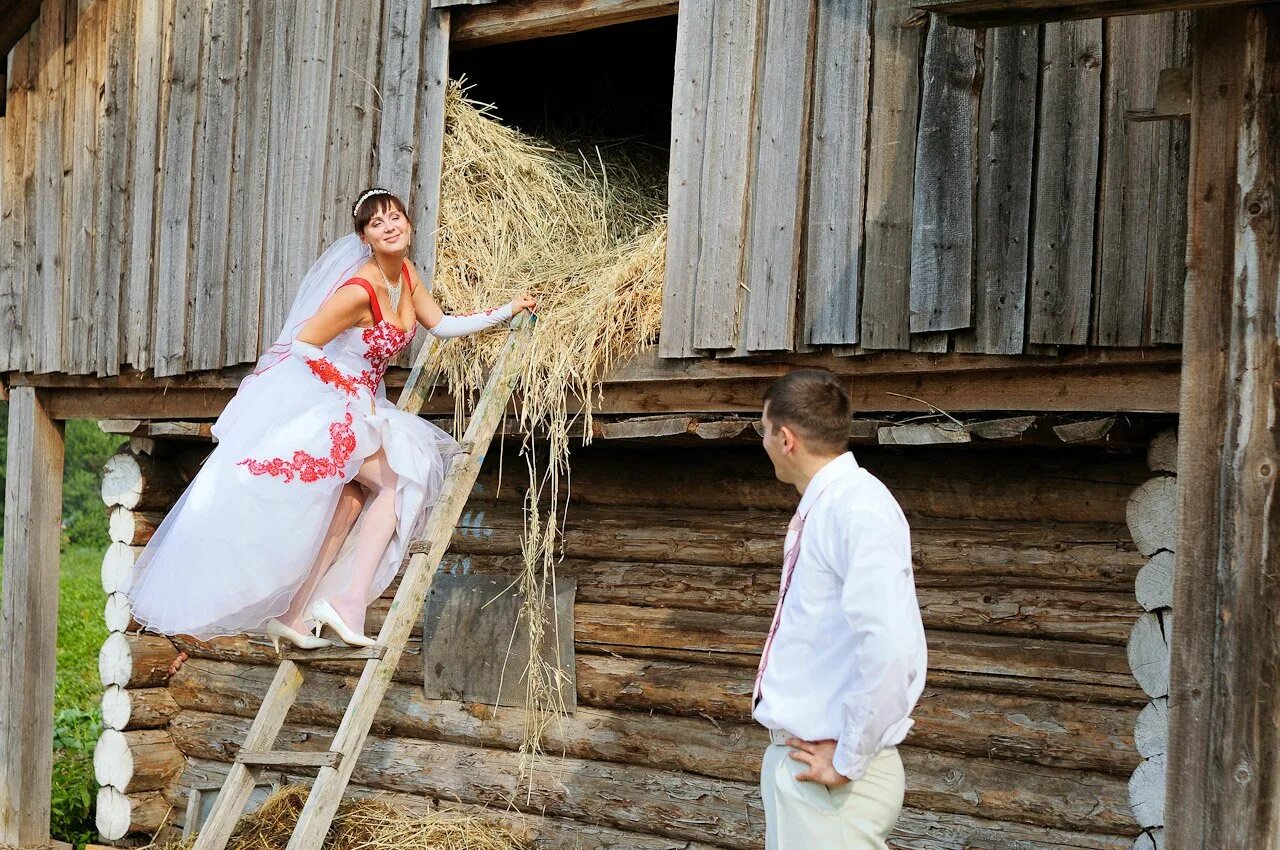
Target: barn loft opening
612, 84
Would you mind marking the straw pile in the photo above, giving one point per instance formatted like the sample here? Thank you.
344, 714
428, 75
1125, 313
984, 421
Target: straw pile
368, 824
584, 233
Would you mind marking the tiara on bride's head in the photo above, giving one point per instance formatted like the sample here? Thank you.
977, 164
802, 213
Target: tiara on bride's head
355, 209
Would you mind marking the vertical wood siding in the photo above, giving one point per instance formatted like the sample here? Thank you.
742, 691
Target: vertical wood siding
171, 167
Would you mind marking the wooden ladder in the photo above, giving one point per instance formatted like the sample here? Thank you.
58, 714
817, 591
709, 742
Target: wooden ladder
256, 753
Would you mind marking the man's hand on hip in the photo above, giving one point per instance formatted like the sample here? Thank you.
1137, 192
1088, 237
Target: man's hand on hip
818, 755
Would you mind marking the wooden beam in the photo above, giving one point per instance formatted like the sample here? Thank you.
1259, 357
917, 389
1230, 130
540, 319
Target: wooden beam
1133, 386
29, 625
521, 20
649, 367
1224, 711
999, 13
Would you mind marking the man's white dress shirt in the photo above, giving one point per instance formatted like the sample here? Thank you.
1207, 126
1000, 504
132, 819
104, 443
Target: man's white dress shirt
847, 661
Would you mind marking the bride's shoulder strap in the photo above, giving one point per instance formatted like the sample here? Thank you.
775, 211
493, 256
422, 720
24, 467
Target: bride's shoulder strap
373, 296
404, 272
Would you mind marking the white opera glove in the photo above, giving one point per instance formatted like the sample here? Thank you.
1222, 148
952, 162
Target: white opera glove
450, 327
325, 370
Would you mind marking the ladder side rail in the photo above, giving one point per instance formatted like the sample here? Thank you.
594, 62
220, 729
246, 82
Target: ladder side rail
326, 793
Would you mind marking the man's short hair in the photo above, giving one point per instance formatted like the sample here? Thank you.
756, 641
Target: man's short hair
813, 404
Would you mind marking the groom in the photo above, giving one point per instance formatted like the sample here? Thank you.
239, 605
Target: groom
844, 661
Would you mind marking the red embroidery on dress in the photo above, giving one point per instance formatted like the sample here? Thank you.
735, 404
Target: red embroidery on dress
330, 374
308, 467
384, 341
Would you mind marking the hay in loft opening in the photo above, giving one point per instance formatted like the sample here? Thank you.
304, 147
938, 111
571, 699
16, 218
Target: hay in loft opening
583, 231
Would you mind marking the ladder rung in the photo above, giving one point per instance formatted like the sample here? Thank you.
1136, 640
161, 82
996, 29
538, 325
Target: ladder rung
289, 758
336, 653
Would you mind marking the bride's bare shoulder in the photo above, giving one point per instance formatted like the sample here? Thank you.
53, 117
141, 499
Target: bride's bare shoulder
414, 277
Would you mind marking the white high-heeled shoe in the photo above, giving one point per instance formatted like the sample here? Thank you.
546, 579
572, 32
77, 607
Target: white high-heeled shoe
324, 615
277, 630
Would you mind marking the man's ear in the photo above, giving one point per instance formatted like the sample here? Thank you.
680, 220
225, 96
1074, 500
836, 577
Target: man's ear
788, 438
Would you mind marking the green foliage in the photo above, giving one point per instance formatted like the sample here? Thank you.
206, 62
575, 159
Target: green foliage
75, 731
77, 694
84, 517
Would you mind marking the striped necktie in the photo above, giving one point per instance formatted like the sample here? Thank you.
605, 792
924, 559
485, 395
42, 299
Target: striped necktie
789, 558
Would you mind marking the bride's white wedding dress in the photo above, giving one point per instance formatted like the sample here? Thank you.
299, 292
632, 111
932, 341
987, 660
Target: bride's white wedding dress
241, 540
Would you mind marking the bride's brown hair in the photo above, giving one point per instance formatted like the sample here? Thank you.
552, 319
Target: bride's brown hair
373, 202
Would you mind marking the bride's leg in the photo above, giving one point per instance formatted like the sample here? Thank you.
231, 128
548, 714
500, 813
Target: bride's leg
350, 501
375, 532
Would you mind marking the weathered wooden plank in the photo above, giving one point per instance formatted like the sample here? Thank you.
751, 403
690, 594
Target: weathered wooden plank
211, 164
81, 175
245, 275
115, 186
302, 76
736, 38
29, 627
1169, 239
996, 13
279, 283
1135, 175
178, 198
354, 103
429, 109
500, 23
896, 44
837, 172
1002, 221
19, 159
942, 221
151, 23
780, 151
400, 64
1224, 730
684, 179
43, 297
478, 647
1066, 184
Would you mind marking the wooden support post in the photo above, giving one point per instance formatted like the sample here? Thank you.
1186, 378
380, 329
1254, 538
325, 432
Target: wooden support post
1224, 724
29, 626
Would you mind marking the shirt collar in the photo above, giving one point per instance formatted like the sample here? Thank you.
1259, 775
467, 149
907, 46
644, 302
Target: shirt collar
835, 468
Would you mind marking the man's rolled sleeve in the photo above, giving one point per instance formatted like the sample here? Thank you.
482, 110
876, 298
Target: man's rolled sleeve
878, 600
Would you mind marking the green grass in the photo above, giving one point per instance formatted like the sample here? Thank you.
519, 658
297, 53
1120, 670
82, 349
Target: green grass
77, 693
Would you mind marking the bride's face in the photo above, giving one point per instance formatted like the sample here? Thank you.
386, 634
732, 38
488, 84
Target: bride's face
388, 231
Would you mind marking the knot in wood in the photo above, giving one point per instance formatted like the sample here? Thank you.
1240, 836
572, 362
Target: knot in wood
1243, 773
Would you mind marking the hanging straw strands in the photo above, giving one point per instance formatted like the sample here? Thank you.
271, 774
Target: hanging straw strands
583, 234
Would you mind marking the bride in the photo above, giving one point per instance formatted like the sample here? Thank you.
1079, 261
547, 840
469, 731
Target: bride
302, 514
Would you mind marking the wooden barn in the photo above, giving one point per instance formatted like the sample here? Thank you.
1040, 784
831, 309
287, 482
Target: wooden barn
1038, 239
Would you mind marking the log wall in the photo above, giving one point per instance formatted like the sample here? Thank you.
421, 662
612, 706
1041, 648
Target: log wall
1024, 737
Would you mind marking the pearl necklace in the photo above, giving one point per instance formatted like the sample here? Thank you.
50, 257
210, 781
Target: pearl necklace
393, 290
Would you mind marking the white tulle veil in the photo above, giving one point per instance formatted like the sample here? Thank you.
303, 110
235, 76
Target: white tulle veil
335, 266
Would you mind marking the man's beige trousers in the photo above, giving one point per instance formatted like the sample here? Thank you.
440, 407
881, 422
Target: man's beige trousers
809, 816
